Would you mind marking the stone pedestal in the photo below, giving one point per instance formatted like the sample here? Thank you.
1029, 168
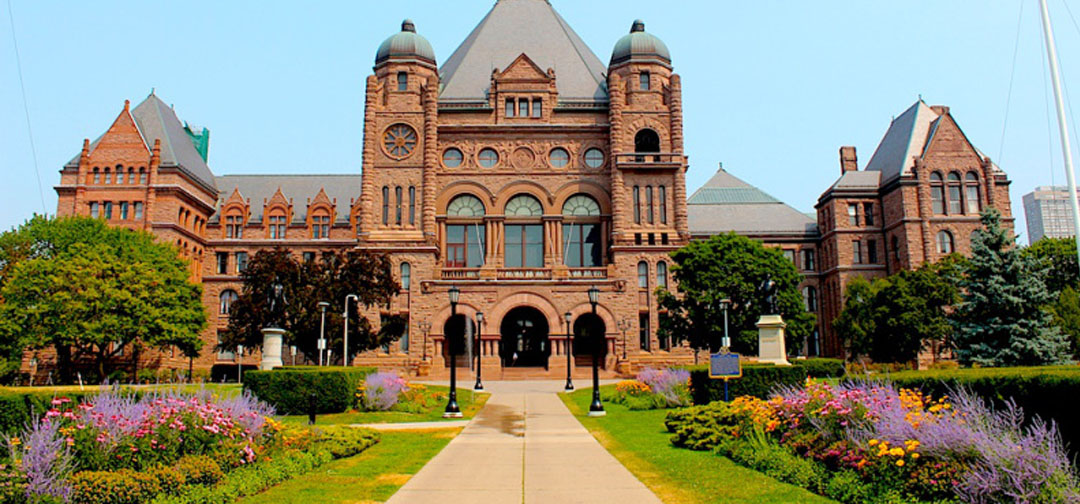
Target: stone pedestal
271, 348
771, 340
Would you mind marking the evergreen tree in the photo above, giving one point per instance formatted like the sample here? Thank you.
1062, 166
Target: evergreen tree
1001, 320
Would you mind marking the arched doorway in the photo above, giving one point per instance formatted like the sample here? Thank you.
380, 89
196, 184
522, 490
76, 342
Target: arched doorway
456, 331
646, 140
590, 339
524, 333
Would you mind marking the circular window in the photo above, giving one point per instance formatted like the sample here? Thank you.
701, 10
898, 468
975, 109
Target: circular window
594, 158
452, 158
399, 140
488, 158
559, 157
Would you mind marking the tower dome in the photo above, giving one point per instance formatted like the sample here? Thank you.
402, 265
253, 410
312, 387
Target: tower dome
639, 45
405, 45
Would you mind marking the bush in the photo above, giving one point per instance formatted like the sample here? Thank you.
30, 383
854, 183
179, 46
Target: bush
758, 380
702, 427
757, 452
18, 407
819, 367
381, 391
125, 486
287, 389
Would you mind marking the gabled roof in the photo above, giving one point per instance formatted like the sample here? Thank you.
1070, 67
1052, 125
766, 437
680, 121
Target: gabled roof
905, 139
155, 120
511, 28
727, 203
339, 189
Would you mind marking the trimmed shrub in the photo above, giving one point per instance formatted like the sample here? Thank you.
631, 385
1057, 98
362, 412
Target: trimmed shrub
18, 406
758, 380
288, 389
819, 367
125, 486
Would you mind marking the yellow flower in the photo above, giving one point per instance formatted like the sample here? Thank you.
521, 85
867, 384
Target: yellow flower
15, 441
873, 442
914, 455
897, 452
900, 463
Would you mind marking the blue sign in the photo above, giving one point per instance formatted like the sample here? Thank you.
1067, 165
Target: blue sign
725, 365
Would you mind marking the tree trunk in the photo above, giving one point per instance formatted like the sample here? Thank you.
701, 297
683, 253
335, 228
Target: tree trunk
63, 362
101, 364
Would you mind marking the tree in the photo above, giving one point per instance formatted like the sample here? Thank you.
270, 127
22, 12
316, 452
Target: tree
732, 267
91, 291
1001, 320
891, 319
305, 284
1058, 255
1066, 313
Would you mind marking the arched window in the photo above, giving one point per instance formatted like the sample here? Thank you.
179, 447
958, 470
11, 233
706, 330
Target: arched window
649, 201
108, 175
663, 204
661, 274
637, 205
406, 275
97, 175
945, 243
582, 240
465, 238
643, 275
402, 81
971, 192
810, 298
646, 140
131, 175
227, 298
412, 205
142, 175
397, 205
386, 205
937, 193
524, 232
955, 205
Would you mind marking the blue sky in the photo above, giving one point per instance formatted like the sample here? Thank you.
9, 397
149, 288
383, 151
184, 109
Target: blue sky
772, 89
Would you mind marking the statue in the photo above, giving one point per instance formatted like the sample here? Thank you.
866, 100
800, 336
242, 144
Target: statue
277, 304
771, 326
273, 334
768, 288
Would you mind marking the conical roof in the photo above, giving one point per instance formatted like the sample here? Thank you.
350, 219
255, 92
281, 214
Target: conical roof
532, 27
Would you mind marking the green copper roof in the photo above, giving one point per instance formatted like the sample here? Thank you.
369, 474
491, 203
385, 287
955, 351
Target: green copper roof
640, 45
406, 44
730, 195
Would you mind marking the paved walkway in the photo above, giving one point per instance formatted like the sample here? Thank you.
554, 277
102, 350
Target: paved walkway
524, 447
445, 424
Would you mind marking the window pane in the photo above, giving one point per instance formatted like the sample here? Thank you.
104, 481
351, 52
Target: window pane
853, 214
513, 246
488, 158
644, 81
406, 275
474, 241
937, 196
643, 275
594, 158
572, 242
537, 107
509, 107
560, 158
138, 210
534, 246
452, 158
663, 205
868, 213
954, 199
591, 250
523, 108
972, 199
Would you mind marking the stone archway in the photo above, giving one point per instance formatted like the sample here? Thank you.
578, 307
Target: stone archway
524, 332
590, 339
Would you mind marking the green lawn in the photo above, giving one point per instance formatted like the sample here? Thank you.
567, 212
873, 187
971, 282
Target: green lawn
639, 440
468, 401
372, 476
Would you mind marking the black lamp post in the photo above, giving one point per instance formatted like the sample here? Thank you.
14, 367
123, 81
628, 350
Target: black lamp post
596, 408
479, 350
452, 409
568, 350
426, 327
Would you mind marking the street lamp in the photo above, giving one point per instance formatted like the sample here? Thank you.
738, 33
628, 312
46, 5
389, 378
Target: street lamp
624, 325
479, 350
452, 410
322, 330
726, 342
568, 350
425, 326
596, 408
239, 363
345, 344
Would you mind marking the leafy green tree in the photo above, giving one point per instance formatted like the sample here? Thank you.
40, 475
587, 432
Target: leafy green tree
1058, 255
1066, 313
1001, 320
732, 267
856, 323
91, 291
306, 283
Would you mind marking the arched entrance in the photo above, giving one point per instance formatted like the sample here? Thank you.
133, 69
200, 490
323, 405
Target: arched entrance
524, 333
590, 339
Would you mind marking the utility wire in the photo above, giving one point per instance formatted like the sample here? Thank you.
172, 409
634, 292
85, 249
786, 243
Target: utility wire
1012, 76
26, 109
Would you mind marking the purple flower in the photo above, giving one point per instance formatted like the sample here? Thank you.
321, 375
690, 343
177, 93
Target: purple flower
381, 390
670, 384
46, 460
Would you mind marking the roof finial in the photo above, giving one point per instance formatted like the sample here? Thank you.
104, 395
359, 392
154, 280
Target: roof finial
638, 26
151, 91
408, 26
127, 105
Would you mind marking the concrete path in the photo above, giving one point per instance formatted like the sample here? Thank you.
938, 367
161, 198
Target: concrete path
446, 424
524, 447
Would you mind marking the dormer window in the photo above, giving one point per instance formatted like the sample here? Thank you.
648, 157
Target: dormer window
234, 227
523, 108
277, 226
402, 81
320, 226
509, 107
537, 108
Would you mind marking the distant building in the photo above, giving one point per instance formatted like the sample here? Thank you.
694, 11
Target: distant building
1048, 213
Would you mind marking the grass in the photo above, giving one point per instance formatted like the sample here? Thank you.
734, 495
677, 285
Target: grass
372, 476
470, 402
639, 440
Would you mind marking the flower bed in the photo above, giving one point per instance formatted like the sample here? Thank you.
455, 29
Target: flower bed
116, 448
654, 389
390, 392
868, 442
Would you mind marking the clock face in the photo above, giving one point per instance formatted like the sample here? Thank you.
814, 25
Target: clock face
399, 140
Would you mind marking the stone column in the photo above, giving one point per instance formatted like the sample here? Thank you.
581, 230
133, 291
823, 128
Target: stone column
271, 348
771, 346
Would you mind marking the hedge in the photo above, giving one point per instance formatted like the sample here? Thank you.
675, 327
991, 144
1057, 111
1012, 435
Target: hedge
287, 389
18, 407
819, 367
758, 380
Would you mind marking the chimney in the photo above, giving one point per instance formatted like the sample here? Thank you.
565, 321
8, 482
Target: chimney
848, 160
940, 109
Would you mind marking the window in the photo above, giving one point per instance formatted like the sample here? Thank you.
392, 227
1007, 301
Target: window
412, 205
559, 157
452, 158
465, 205
405, 339
142, 175
643, 330
509, 107
937, 193
108, 176
582, 242
138, 210
955, 206
646, 140
945, 242
896, 248
277, 227
871, 251
488, 158
661, 274
402, 81
386, 205
868, 213
637, 205
397, 205
971, 191
789, 255
663, 204
124, 210
227, 298
465, 242
853, 214
97, 176
524, 245
108, 210
94, 209
320, 227
594, 158
523, 108
808, 260
643, 275
810, 298
224, 354
537, 108
856, 252
649, 199
308, 256
223, 263
399, 140
234, 227
406, 275
241, 262
131, 175
643, 80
